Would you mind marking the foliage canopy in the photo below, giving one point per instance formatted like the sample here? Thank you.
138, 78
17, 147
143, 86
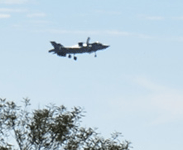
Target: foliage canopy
51, 128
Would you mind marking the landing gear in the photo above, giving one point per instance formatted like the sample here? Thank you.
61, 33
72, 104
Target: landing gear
75, 58
95, 55
69, 56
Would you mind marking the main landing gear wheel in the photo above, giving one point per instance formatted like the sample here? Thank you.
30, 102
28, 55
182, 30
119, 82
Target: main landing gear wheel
75, 58
95, 55
69, 56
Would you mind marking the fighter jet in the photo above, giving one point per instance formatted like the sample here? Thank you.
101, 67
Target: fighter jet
87, 47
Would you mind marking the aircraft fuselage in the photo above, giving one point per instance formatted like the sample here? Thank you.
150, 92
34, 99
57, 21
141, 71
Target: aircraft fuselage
80, 48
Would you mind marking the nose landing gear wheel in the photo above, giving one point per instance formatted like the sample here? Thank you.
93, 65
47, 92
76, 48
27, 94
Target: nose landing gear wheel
75, 58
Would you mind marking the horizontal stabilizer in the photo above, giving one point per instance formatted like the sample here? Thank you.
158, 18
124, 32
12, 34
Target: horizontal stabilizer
52, 50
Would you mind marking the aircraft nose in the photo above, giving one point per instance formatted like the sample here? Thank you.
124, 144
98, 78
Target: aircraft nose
106, 46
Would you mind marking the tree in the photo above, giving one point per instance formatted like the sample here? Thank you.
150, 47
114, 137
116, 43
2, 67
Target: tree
51, 128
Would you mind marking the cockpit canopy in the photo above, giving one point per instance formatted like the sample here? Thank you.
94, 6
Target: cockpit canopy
97, 44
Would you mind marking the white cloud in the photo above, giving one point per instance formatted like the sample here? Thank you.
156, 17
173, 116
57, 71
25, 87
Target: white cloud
147, 84
38, 21
2, 16
154, 18
177, 18
180, 39
58, 31
6, 12
9, 10
13, 1
165, 103
97, 32
123, 33
36, 15
160, 18
114, 33
108, 12
118, 33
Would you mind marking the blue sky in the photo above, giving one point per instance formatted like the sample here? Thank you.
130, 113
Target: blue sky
134, 86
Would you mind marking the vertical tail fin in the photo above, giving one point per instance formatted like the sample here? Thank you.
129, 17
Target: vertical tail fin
87, 42
55, 45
